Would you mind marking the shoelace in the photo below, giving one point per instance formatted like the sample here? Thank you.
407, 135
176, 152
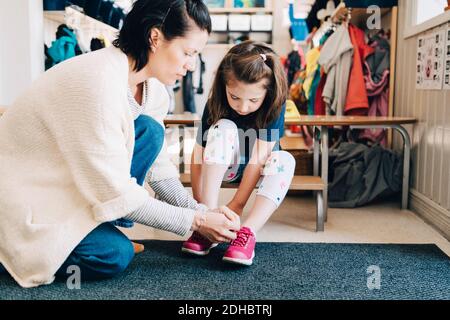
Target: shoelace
241, 239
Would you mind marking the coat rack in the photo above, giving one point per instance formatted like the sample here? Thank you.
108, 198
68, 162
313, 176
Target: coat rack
341, 13
358, 16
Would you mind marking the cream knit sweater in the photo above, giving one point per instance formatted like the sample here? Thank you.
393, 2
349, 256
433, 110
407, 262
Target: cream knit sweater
65, 157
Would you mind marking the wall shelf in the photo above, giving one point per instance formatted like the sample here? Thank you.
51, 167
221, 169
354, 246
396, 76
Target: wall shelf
265, 32
75, 18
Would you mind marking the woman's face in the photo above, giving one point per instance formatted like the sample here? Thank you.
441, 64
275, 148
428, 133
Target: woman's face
246, 98
171, 60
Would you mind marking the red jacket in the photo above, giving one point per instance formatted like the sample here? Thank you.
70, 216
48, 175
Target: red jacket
357, 102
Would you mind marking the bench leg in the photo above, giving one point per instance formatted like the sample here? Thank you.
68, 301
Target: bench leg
406, 164
320, 212
324, 142
316, 140
181, 141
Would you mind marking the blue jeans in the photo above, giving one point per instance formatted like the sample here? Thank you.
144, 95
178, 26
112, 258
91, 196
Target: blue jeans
106, 251
149, 138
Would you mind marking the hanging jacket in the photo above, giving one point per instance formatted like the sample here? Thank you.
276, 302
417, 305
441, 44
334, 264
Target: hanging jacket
189, 90
299, 28
357, 102
293, 64
320, 108
336, 60
314, 87
188, 93
377, 77
311, 66
62, 48
379, 106
379, 61
297, 94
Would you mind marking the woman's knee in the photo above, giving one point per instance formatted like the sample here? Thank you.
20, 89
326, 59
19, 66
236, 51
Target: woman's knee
121, 252
150, 130
107, 253
123, 256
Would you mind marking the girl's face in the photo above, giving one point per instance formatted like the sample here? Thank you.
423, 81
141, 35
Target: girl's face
246, 98
171, 60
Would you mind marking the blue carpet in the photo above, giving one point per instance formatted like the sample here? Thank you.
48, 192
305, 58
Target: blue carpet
280, 271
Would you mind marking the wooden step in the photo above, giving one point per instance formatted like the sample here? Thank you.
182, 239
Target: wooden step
293, 143
303, 183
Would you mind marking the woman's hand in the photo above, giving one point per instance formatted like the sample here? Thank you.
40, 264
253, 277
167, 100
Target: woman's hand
217, 227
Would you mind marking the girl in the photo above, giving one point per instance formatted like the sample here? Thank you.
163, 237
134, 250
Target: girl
238, 142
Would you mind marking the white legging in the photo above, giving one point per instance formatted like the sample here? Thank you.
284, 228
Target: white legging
223, 148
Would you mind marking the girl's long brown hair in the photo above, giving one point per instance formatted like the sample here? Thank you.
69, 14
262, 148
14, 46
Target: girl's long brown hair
245, 64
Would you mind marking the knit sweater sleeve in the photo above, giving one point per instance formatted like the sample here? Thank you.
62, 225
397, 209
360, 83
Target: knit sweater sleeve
93, 135
163, 216
174, 193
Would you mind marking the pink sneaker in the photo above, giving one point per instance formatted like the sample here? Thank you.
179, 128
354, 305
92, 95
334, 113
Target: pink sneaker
241, 249
198, 245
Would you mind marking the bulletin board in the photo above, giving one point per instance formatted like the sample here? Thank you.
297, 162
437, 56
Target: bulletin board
431, 50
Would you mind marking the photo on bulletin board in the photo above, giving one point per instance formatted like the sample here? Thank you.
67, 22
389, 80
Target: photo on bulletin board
215, 3
249, 3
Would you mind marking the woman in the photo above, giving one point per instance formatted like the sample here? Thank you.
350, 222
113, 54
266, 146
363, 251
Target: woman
67, 147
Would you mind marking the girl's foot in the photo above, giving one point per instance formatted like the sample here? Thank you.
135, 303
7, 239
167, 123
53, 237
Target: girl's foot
198, 245
241, 249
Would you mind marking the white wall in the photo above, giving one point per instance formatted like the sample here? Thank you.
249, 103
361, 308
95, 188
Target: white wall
430, 171
21, 46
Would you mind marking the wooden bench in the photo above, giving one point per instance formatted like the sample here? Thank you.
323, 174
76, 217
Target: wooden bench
299, 183
321, 125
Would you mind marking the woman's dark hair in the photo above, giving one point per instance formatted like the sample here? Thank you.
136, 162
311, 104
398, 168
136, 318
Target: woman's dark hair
173, 17
250, 62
